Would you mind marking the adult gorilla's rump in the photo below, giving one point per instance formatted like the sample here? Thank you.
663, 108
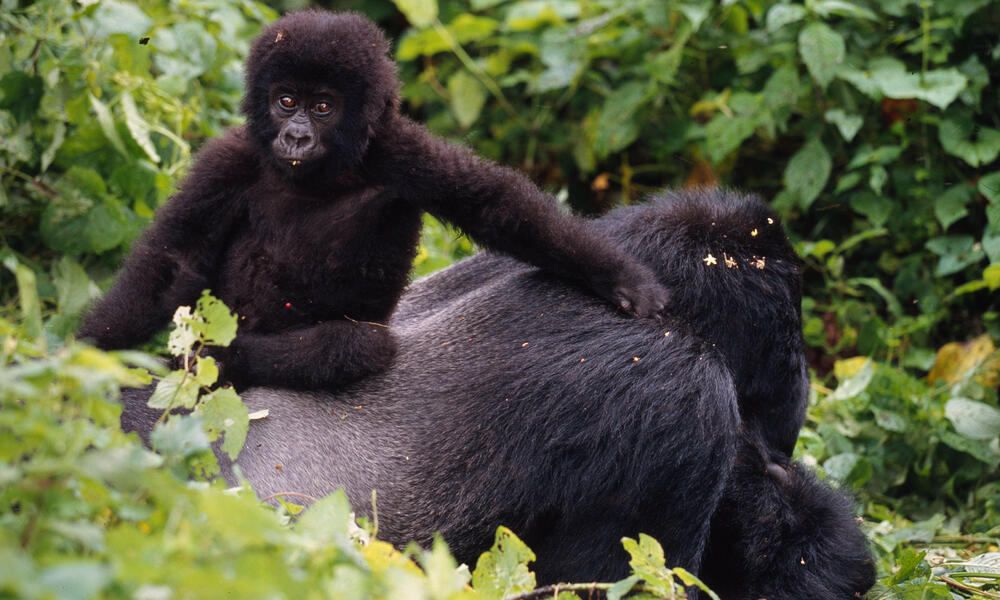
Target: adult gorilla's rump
519, 400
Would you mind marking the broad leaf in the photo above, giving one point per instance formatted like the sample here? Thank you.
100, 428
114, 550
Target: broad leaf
420, 13
467, 97
807, 172
848, 124
973, 419
938, 87
223, 412
822, 50
503, 571
974, 144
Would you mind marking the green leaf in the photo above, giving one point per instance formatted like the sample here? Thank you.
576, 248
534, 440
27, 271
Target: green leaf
464, 28
826, 8
848, 468
877, 178
180, 436
503, 570
620, 588
21, 93
695, 13
847, 124
979, 449
471, 28
991, 242
107, 123
329, 521
113, 17
876, 208
972, 419
529, 15
420, 13
989, 186
724, 134
27, 291
75, 580
974, 144
852, 386
648, 562
467, 97
882, 155
74, 289
177, 390
956, 252
206, 372
863, 80
783, 14
991, 275
807, 172
58, 137
690, 580
822, 50
950, 206
218, 324
223, 412
616, 127
138, 127
892, 303
938, 87
99, 227
782, 88
979, 78
444, 578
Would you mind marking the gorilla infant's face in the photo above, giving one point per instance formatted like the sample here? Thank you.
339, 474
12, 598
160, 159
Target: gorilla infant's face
304, 116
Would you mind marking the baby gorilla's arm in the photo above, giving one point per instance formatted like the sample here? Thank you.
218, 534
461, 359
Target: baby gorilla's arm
502, 210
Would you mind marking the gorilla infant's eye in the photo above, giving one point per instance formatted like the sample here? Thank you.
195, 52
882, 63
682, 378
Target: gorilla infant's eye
323, 108
287, 101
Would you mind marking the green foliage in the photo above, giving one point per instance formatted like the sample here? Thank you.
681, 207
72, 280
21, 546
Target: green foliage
87, 512
870, 123
100, 106
923, 452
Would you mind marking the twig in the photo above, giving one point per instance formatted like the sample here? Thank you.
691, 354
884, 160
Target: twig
554, 590
366, 322
483, 78
969, 588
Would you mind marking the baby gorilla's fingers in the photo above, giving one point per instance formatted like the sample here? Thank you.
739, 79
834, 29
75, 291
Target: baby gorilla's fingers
640, 294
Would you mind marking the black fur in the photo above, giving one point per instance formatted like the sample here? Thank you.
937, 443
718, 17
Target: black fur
517, 400
780, 534
307, 253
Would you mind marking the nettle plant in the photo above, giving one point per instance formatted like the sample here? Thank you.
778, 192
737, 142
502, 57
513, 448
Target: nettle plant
872, 125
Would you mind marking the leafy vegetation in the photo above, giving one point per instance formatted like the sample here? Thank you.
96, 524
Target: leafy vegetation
874, 126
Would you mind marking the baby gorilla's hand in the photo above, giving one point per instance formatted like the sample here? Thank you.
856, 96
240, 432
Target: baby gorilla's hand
637, 292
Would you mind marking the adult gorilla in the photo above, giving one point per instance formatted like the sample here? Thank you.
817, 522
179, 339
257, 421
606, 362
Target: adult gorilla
519, 400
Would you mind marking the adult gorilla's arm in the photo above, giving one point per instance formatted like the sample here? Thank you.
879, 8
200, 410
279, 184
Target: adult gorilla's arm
169, 264
502, 210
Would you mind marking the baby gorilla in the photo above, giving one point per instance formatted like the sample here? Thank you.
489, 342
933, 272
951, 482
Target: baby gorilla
306, 220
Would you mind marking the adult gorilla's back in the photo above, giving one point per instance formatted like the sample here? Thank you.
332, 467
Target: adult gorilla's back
519, 400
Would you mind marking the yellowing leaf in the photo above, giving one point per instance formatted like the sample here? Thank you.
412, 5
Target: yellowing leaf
849, 367
955, 359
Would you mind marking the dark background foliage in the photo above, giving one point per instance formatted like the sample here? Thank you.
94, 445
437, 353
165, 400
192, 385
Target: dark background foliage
872, 127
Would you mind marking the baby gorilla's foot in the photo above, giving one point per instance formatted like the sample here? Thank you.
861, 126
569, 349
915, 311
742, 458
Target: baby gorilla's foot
637, 292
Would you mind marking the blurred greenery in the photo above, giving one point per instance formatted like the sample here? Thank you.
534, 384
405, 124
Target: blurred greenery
873, 127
